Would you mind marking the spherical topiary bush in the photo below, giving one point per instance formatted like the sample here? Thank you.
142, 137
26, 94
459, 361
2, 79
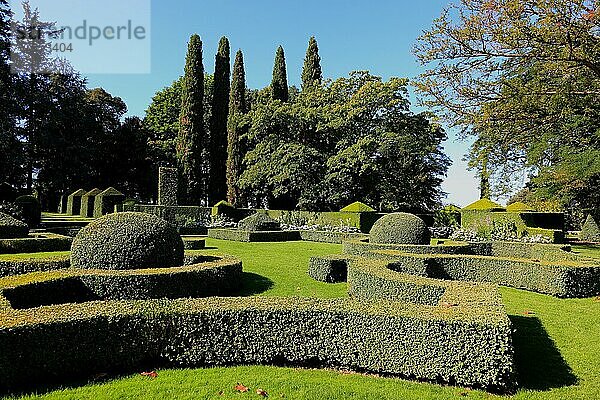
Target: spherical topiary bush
400, 228
590, 232
31, 208
259, 222
127, 240
11, 228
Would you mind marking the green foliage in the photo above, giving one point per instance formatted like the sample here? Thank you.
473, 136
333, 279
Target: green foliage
11, 265
31, 209
87, 203
399, 228
330, 236
235, 129
47, 242
590, 231
357, 207
217, 184
484, 205
239, 235
447, 216
259, 222
74, 202
279, 83
192, 140
351, 139
331, 269
105, 201
518, 207
167, 186
312, 75
12, 228
127, 241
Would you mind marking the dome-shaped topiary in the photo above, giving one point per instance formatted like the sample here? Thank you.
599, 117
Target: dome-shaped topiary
259, 222
400, 228
127, 240
11, 228
590, 232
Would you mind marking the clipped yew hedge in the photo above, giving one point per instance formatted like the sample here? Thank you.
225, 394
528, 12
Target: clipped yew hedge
18, 265
330, 237
330, 269
12, 228
239, 235
400, 228
36, 243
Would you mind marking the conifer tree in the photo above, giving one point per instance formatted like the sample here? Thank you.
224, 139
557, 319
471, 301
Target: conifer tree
235, 150
279, 84
312, 73
217, 189
191, 141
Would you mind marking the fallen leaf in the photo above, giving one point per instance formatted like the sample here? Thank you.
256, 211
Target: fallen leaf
262, 393
448, 305
150, 374
528, 312
240, 388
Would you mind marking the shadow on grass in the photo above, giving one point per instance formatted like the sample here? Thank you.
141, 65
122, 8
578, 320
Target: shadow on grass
253, 284
539, 364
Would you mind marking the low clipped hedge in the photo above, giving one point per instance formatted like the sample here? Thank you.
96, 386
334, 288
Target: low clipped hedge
561, 279
105, 201
207, 276
259, 222
193, 243
330, 237
364, 248
36, 243
87, 203
18, 265
127, 240
249, 236
330, 269
400, 228
11, 228
462, 346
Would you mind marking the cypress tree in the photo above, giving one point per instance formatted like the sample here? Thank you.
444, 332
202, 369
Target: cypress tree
312, 73
279, 84
191, 139
217, 187
235, 151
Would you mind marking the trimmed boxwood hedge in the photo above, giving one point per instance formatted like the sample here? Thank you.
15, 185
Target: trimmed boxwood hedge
127, 240
12, 228
193, 243
87, 203
400, 228
105, 202
259, 222
74, 202
469, 344
36, 243
364, 248
590, 232
249, 236
13, 265
330, 269
330, 237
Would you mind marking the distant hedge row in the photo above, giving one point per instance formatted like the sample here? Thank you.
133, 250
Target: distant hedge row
239, 235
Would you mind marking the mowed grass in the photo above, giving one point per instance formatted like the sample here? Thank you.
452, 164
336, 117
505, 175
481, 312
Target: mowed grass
557, 344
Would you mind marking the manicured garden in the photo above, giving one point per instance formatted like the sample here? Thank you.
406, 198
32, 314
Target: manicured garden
556, 345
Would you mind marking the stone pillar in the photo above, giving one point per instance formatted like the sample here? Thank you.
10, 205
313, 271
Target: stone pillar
167, 186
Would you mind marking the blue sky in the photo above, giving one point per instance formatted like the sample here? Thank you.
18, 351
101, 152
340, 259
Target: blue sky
373, 35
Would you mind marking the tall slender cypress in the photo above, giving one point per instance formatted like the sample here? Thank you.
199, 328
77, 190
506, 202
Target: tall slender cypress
312, 73
191, 141
217, 181
235, 150
279, 84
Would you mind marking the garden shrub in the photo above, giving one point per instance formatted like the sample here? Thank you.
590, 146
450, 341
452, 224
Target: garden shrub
519, 207
105, 202
14, 265
167, 186
32, 210
12, 228
330, 269
238, 235
330, 236
193, 243
590, 232
74, 202
36, 243
467, 344
87, 203
357, 207
259, 222
400, 228
127, 240
484, 205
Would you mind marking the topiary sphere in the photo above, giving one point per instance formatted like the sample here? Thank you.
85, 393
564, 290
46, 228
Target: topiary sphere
259, 222
127, 240
11, 228
400, 228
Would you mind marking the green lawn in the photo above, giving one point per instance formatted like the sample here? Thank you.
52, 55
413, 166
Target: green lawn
557, 346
